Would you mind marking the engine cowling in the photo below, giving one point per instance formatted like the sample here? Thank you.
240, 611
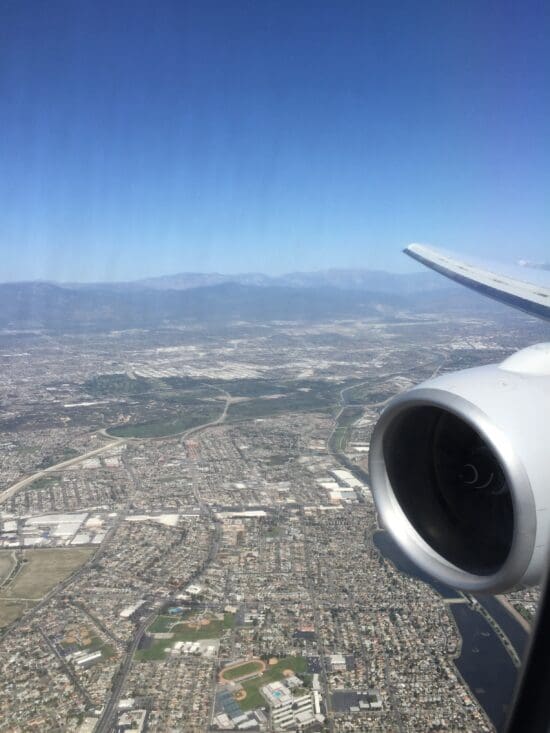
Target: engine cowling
460, 472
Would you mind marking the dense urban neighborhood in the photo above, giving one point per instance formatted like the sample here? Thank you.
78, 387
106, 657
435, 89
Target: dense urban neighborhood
188, 541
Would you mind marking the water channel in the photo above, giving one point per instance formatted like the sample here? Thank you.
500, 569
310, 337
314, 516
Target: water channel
484, 663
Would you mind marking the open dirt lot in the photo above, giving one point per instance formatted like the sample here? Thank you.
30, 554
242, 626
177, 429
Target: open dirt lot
42, 570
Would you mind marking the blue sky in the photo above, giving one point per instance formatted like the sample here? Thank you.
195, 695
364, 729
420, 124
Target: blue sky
147, 138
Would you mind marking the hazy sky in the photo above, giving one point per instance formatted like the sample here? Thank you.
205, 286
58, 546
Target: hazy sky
146, 138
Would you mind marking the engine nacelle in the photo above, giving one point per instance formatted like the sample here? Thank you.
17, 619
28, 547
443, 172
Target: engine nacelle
460, 471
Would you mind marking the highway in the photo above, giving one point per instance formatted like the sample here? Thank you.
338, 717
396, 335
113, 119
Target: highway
9, 492
14, 488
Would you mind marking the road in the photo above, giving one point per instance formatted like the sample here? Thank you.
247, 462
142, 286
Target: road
105, 723
57, 589
66, 667
318, 628
8, 493
217, 421
12, 490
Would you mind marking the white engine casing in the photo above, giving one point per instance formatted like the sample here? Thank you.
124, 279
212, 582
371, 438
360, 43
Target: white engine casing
508, 406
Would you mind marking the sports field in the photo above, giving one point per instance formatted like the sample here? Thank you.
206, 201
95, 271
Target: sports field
242, 670
196, 628
271, 672
41, 571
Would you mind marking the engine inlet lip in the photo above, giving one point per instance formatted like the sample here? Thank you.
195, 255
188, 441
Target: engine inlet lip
410, 541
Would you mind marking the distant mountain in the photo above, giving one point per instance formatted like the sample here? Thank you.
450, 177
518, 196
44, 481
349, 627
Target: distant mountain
366, 280
377, 281
178, 299
371, 280
43, 305
187, 280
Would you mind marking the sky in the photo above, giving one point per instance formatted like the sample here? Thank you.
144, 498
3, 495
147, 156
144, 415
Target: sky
147, 138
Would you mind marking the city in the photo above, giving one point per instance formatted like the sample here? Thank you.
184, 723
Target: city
189, 542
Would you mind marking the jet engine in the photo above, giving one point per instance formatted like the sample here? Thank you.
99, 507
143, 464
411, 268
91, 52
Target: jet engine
460, 471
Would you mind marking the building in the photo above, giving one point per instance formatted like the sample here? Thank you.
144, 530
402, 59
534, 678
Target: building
289, 711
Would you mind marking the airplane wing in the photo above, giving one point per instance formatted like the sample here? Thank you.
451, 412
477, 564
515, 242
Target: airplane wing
530, 292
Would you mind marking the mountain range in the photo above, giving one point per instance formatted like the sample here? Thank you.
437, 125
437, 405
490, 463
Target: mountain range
206, 298
369, 280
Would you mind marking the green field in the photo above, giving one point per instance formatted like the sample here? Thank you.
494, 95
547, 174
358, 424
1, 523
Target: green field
45, 481
212, 630
171, 405
118, 384
165, 389
42, 570
339, 439
162, 624
238, 387
156, 651
182, 632
164, 427
253, 697
96, 644
272, 673
63, 455
26, 450
242, 670
349, 416
160, 407
340, 436
370, 394
107, 650
295, 402
278, 460
296, 396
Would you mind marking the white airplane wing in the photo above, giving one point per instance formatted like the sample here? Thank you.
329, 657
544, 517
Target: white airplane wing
528, 290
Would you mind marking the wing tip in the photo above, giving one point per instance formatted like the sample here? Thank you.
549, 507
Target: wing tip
414, 249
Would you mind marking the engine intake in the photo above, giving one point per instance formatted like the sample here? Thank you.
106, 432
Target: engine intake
460, 473
451, 486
